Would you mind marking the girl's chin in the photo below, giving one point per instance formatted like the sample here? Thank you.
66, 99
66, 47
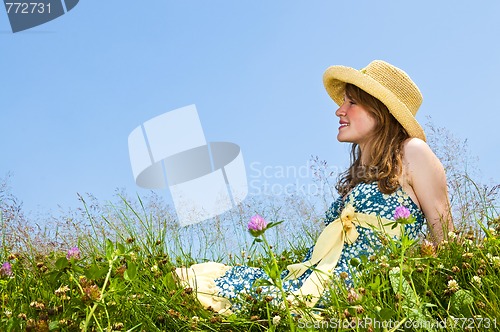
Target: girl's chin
342, 139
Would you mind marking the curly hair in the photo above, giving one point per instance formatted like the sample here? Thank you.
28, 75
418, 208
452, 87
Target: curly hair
385, 161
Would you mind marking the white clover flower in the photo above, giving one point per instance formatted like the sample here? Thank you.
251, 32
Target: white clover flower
453, 285
452, 235
495, 260
195, 319
492, 231
477, 280
154, 268
276, 320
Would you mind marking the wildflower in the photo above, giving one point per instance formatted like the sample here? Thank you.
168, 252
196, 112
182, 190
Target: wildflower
121, 270
276, 320
195, 319
154, 268
495, 260
37, 305
30, 324
91, 293
492, 231
42, 325
359, 309
427, 249
347, 314
12, 256
384, 261
401, 212
468, 255
117, 326
470, 235
352, 296
73, 253
6, 270
477, 280
61, 292
455, 269
257, 225
452, 235
453, 285
215, 319
383, 239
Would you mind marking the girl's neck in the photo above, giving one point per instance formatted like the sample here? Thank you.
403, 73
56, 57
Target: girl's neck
364, 155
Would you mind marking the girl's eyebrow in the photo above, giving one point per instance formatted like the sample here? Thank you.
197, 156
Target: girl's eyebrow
346, 96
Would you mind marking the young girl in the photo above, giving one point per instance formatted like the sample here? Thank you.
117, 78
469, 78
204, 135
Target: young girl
393, 173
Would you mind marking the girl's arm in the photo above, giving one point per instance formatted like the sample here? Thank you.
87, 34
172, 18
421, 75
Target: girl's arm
427, 178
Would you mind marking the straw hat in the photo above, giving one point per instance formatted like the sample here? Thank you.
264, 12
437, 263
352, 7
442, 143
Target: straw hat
387, 83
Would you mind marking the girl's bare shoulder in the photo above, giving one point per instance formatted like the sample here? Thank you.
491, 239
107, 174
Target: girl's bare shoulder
416, 151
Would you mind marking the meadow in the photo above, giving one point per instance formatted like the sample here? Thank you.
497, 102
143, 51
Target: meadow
108, 266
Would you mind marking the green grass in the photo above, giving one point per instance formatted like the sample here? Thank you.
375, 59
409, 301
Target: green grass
123, 281
123, 278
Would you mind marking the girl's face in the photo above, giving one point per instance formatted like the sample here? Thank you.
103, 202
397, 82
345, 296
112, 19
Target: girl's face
356, 123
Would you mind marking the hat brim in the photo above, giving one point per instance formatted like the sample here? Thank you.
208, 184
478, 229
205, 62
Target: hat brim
336, 77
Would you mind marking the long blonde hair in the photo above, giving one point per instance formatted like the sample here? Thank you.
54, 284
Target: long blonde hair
385, 148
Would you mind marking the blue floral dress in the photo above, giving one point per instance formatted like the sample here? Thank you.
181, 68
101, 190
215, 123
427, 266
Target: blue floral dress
365, 198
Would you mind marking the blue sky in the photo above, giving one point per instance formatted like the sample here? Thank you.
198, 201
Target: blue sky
74, 88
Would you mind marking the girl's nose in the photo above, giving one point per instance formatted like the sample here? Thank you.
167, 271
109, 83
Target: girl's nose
340, 111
